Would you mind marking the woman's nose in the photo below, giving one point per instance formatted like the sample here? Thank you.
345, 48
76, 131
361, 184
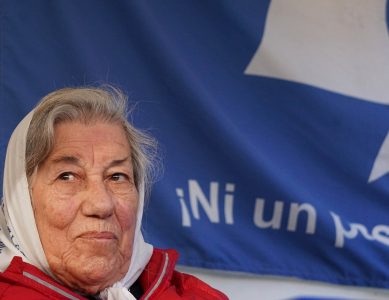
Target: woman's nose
97, 201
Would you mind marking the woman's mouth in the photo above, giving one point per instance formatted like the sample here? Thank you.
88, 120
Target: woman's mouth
103, 235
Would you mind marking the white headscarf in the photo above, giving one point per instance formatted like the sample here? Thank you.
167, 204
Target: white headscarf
18, 232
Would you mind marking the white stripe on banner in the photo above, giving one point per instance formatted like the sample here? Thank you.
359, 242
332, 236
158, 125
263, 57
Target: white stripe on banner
338, 45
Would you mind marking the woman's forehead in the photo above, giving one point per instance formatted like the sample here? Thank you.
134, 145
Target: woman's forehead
77, 132
74, 142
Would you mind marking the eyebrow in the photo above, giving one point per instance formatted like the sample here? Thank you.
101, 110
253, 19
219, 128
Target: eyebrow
118, 162
67, 159
76, 161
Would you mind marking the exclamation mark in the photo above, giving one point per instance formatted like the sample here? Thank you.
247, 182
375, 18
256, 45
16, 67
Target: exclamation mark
184, 209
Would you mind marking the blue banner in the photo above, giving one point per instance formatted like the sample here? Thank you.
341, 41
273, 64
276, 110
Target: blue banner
272, 119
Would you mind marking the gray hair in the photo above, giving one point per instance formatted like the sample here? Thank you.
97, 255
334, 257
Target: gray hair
88, 105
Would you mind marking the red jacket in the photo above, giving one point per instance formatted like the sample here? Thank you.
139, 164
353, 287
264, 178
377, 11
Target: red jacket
158, 281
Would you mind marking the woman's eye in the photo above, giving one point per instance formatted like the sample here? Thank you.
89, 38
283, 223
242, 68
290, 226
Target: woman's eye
119, 177
67, 176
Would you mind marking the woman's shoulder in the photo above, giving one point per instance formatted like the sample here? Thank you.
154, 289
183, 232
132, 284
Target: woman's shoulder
11, 291
24, 281
161, 281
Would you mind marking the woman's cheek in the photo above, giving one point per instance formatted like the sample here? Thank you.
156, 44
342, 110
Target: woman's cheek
60, 210
127, 213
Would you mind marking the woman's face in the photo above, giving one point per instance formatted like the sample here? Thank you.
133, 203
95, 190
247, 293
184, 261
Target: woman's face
85, 204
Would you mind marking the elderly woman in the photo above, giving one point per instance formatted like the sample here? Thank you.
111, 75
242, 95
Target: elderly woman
70, 224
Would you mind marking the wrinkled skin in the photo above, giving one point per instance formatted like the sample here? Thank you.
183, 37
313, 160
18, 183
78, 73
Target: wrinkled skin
85, 204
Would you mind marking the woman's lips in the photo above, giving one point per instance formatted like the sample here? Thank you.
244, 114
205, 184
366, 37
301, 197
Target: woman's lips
104, 235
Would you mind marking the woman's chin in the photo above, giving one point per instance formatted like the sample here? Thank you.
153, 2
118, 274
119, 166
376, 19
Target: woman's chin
90, 276
89, 290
